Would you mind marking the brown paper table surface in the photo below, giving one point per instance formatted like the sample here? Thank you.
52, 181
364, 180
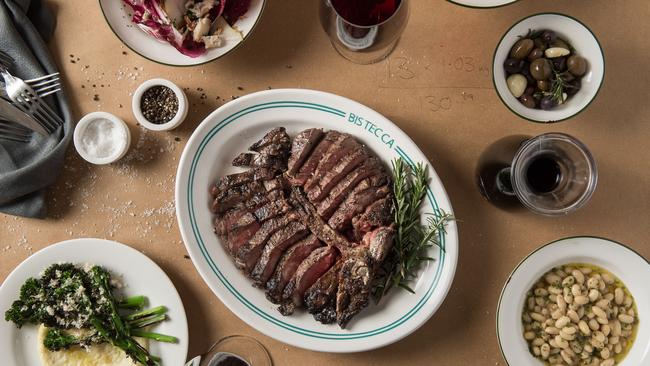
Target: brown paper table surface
436, 86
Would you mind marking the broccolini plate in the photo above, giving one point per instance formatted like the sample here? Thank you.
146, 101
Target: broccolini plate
138, 274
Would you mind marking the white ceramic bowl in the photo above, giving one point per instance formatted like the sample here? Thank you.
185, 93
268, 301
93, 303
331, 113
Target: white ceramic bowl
620, 260
585, 44
483, 4
174, 122
118, 17
122, 148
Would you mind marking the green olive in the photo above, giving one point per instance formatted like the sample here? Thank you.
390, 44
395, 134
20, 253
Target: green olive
540, 69
527, 100
544, 85
535, 54
577, 65
522, 48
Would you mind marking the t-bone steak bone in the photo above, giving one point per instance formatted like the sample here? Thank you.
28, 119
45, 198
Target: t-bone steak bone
309, 220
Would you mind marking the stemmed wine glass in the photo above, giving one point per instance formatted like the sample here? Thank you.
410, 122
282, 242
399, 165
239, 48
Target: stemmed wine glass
364, 31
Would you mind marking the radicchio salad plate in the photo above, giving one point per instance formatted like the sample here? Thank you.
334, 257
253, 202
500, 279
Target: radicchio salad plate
182, 32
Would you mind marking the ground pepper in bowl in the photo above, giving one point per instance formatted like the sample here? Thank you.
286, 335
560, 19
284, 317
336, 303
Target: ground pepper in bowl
159, 104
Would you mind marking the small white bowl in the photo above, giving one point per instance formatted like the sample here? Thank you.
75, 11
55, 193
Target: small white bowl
174, 122
586, 45
122, 145
626, 264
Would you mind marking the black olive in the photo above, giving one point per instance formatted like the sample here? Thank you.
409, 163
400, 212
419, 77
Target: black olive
535, 54
559, 63
527, 100
513, 65
526, 72
547, 103
549, 36
539, 43
574, 87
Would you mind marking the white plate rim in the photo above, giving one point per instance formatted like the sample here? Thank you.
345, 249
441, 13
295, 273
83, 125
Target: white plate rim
531, 256
473, 4
198, 63
328, 342
17, 275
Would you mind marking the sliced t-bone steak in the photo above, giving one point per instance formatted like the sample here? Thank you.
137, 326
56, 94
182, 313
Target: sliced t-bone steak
320, 298
364, 194
310, 165
275, 246
260, 160
248, 255
238, 238
310, 221
302, 146
338, 149
238, 179
378, 214
342, 189
310, 270
229, 221
277, 136
333, 175
288, 265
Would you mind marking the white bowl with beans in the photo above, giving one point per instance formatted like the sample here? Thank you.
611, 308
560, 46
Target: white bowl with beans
582, 315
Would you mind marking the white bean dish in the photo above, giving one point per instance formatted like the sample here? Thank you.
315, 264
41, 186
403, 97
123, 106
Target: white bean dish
579, 314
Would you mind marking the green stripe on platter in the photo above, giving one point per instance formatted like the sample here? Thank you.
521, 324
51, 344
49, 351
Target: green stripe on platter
332, 336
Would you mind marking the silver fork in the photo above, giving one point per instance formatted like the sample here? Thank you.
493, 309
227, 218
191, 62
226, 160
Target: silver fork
13, 132
44, 85
26, 99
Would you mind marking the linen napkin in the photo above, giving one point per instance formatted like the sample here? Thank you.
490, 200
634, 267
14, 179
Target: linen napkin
27, 169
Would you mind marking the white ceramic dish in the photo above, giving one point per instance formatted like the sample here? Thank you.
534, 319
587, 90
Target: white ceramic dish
482, 3
174, 122
585, 44
122, 146
118, 17
227, 132
623, 262
18, 346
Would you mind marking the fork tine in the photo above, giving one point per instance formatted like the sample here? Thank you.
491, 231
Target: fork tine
29, 107
41, 90
49, 76
49, 93
43, 82
51, 125
54, 120
23, 106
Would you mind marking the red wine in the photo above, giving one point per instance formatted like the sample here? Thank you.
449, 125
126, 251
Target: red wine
365, 13
543, 173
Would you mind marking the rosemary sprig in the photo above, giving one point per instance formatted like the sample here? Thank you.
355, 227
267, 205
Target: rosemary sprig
559, 85
412, 238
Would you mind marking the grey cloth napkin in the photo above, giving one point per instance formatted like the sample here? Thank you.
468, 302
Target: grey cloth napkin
27, 169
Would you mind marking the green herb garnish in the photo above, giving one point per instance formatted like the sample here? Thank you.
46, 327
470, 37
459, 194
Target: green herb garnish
412, 238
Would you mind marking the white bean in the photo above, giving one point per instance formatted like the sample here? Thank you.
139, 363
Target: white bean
581, 300
593, 295
584, 328
608, 362
562, 322
619, 296
624, 318
539, 317
600, 313
573, 316
579, 276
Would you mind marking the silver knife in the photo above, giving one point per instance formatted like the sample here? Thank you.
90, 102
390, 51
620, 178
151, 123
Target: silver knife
13, 114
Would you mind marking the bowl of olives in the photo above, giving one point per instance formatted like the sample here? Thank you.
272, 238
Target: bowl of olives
548, 67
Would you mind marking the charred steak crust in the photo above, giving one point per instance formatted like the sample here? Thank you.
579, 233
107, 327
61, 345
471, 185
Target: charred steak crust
310, 221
